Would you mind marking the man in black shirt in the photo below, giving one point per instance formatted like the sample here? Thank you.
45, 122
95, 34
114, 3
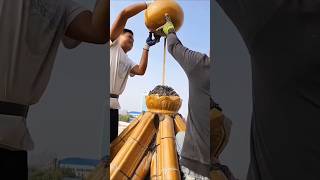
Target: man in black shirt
283, 39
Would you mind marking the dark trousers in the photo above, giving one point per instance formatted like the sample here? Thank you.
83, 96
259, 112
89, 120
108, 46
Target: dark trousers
114, 123
13, 164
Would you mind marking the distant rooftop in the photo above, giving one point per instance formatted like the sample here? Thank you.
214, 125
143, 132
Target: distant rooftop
79, 161
134, 112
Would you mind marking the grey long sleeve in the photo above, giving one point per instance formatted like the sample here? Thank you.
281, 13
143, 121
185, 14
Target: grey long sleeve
195, 154
187, 58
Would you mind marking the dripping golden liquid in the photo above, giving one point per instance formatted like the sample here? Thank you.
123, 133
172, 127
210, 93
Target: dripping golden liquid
164, 62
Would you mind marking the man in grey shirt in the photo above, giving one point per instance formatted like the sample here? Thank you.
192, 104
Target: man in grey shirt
30, 34
195, 154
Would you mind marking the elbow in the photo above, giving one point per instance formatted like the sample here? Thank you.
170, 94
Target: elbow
124, 14
141, 72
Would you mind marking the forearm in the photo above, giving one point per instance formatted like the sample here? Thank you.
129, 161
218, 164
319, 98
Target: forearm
142, 67
143, 62
178, 51
175, 47
123, 17
133, 10
187, 58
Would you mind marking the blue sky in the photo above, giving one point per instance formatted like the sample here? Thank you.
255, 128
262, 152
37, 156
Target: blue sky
194, 34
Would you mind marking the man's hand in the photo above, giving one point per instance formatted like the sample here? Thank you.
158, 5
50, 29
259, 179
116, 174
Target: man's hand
167, 28
142, 67
150, 42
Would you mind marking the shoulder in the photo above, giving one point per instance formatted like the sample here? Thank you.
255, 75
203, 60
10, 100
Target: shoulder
114, 43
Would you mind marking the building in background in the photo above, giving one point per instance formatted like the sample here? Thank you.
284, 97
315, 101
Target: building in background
81, 167
133, 115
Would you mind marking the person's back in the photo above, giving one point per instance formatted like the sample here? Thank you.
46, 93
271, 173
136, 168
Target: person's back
284, 48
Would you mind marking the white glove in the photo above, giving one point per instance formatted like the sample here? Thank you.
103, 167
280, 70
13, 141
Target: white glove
146, 47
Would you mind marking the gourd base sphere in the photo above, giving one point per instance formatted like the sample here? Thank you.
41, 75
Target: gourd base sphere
156, 11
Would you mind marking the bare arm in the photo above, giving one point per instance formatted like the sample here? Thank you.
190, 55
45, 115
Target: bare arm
122, 18
91, 26
142, 67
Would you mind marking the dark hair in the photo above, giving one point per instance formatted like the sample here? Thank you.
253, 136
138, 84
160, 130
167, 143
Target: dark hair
127, 31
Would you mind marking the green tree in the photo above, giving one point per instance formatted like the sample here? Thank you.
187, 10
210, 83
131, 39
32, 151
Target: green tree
51, 174
125, 118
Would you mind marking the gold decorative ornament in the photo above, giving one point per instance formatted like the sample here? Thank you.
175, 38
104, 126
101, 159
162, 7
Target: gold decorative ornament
163, 104
148, 145
156, 11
